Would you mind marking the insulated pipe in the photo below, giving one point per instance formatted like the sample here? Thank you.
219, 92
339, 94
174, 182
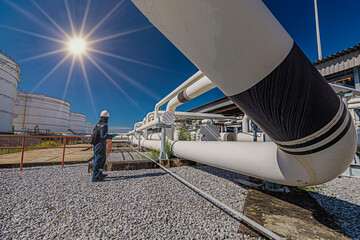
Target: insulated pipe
154, 136
202, 86
245, 124
249, 56
354, 106
196, 77
156, 121
249, 137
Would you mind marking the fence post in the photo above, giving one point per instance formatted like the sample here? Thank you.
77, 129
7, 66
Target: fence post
63, 156
8, 150
108, 147
22, 154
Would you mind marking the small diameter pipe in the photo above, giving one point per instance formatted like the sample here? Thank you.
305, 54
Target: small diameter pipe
217, 202
202, 86
182, 115
196, 77
339, 88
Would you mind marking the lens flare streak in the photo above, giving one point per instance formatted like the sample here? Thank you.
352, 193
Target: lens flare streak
42, 55
69, 16
88, 85
113, 81
33, 34
104, 19
120, 34
50, 19
51, 72
68, 78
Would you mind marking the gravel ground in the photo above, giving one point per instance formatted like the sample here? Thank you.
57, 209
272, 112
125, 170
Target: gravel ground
341, 198
54, 203
126, 156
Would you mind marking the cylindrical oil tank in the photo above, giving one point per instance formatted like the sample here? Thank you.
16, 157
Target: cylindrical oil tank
9, 79
77, 123
88, 128
41, 113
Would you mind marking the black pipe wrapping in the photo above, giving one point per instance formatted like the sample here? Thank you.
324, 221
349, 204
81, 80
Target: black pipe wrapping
292, 102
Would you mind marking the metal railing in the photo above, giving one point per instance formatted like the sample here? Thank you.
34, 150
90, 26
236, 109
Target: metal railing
24, 143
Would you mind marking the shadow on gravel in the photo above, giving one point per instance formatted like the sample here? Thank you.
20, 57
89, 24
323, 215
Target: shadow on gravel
347, 213
121, 178
298, 206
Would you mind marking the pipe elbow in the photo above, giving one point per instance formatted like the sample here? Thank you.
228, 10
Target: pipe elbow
321, 156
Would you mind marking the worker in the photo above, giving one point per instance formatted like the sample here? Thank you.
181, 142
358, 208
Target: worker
100, 134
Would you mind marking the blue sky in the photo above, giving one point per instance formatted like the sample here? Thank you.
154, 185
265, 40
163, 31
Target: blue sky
152, 66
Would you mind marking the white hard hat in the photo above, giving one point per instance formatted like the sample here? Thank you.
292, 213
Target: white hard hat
105, 113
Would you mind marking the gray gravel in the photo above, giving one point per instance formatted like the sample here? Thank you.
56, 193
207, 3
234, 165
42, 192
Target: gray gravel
126, 156
49, 202
341, 198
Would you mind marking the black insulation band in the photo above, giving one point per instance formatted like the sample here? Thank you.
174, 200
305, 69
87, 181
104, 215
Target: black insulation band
182, 97
329, 144
321, 137
292, 102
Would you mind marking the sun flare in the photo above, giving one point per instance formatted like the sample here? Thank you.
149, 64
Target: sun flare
77, 46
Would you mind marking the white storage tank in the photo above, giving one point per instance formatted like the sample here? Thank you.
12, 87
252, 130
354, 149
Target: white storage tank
89, 128
77, 123
9, 79
41, 113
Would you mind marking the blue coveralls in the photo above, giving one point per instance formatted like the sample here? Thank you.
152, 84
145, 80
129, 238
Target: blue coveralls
100, 152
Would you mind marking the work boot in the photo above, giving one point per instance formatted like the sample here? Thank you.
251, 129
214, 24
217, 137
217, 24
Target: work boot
101, 179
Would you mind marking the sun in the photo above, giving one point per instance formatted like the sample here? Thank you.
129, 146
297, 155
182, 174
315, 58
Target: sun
77, 46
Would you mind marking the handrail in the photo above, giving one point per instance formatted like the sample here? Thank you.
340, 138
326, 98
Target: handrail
341, 80
62, 141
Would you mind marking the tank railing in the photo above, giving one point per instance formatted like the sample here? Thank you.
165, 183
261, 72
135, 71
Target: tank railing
24, 143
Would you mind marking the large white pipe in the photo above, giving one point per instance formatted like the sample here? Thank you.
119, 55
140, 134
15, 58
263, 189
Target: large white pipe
196, 89
264, 160
248, 55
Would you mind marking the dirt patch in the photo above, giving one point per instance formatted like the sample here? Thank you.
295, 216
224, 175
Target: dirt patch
294, 215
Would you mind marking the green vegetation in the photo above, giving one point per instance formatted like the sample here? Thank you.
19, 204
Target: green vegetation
154, 154
314, 189
168, 150
196, 128
184, 134
43, 144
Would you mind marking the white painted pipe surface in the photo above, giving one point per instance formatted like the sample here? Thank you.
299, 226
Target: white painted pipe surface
354, 100
245, 124
354, 106
154, 136
249, 137
265, 161
196, 77
202, 86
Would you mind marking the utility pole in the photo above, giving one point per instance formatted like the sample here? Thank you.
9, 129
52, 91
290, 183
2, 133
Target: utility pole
317, 30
